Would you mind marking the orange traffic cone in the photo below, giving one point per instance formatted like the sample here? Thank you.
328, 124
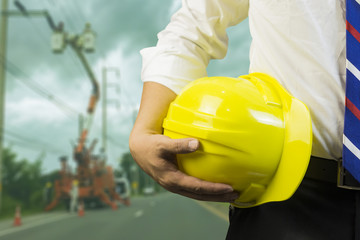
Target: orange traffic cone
17, 219
114, 206
127, 202
81, 211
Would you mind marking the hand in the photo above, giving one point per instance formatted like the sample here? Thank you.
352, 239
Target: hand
156, 155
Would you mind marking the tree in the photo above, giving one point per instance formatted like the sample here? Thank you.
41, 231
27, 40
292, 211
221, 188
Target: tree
22, 181
126, 162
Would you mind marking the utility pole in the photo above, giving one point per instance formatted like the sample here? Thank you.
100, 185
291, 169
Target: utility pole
135, 178
103, 109
5, 13
85, 41
104, 103
3, 41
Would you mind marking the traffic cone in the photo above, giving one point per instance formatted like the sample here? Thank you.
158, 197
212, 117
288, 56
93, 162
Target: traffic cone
127, 202
17, 219
114, 206
81, 211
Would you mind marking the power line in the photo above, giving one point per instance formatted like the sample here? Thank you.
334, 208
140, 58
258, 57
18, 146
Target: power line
19, 136
67, 17
14, 71
69, 55
114, 142
72, 55
41, 35
81, 15
75, 61
31, 142
34, 148
47, 41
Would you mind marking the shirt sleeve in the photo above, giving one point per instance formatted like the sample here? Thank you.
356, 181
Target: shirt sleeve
195, 34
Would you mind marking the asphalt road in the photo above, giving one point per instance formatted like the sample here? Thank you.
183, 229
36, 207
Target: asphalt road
162, 217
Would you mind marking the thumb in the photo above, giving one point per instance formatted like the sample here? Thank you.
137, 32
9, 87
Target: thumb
182, 145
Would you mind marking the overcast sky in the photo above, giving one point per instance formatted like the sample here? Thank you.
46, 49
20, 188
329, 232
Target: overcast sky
35, 125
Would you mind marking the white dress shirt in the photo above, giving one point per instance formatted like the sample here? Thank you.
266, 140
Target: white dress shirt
301, 43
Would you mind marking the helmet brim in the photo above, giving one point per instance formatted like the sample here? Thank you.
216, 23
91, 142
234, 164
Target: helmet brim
296, 150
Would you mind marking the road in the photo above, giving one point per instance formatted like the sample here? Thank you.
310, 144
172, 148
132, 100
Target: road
162, 217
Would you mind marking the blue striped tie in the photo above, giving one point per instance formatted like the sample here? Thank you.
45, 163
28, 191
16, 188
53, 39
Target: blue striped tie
351, 150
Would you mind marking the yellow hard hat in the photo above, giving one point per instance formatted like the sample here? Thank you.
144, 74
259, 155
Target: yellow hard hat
48, 184
75, 182
253, 135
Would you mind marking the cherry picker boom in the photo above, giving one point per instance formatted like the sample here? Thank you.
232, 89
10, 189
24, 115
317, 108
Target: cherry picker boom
95, 180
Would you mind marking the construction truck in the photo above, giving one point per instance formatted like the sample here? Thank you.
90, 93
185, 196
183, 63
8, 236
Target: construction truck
122, 185
96, 182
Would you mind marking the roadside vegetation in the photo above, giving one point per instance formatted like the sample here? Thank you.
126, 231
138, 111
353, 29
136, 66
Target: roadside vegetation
23, 184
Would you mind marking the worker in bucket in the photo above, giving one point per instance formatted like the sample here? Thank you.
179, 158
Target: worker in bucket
292, 102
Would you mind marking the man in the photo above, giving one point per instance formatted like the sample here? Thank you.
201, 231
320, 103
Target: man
74, 196
301, 43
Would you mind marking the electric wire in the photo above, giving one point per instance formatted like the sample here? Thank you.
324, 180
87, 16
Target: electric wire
116, 143
74, 11
67, 16
30, 143
37, 29
47, 43
34, 148
68, 54
71, 56
37, 88
81, 14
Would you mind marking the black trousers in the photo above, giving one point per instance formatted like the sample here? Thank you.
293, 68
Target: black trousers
317, 211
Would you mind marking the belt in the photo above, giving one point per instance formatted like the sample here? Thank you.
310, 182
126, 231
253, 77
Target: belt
332, 171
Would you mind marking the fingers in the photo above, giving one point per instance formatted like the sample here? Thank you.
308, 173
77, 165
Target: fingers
180, 146
201, 190
227, 197
157, 156
180, 183
198, 186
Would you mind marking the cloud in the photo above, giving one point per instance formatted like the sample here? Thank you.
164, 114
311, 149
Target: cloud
123, 73
123, 28
28, 110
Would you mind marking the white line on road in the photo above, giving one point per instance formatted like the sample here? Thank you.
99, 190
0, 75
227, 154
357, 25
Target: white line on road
139, 213
35, 224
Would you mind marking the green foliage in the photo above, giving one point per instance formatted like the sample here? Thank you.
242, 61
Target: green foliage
9, 205
50, 177
37, 197
126, 162
23, 183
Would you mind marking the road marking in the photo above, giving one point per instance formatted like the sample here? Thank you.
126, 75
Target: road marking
139, 213
34, 224
214, 210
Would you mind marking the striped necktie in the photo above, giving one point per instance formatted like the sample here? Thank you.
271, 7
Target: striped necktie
351, 150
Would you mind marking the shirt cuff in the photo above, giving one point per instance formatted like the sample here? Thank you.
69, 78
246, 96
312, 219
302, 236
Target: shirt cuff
171, 68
